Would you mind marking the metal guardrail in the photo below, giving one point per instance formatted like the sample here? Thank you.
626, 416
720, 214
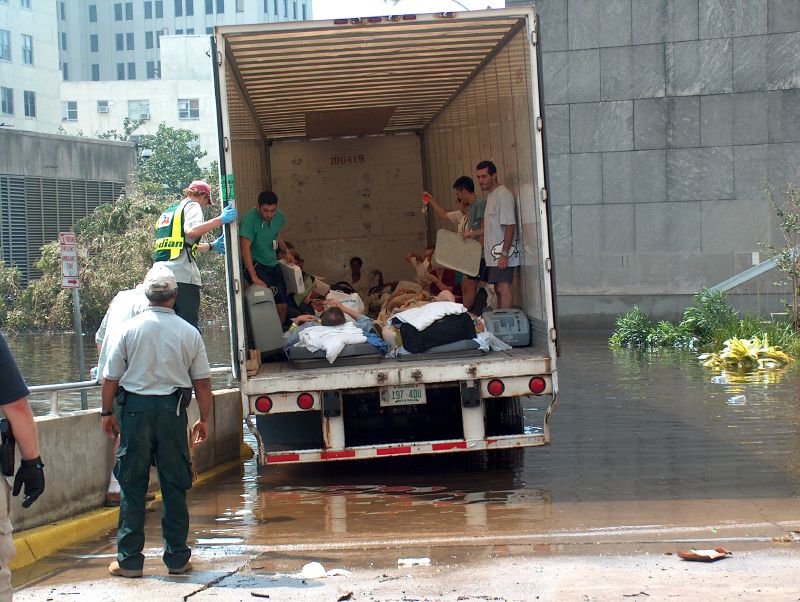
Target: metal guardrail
83, 385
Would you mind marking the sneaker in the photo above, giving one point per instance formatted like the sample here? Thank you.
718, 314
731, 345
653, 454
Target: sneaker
119, 571
181, 569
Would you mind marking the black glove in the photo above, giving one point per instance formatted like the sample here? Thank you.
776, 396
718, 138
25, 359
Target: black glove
30, 474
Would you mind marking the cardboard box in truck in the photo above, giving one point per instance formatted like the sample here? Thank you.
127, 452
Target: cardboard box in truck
348, 121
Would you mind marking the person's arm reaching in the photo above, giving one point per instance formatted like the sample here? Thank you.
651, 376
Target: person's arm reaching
247, 257
436, 207
226, 217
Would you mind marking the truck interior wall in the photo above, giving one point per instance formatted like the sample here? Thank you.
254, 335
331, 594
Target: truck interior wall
491, 119
351, 197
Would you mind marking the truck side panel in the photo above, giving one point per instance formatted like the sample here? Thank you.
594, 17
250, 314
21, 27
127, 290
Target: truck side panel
491, 118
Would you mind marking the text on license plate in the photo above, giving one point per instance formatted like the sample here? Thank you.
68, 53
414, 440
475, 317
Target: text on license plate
403, 396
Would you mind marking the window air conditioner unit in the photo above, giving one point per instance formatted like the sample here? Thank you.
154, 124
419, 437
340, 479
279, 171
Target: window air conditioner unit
102, 108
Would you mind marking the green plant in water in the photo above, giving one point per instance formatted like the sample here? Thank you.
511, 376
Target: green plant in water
666, 334
633, 329
708, 313
746, 354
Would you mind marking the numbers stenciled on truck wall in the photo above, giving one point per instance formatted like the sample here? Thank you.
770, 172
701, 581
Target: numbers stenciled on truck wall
340, 160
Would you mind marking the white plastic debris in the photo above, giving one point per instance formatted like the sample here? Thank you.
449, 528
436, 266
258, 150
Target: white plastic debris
720, 380
338, 573
737, 400
413, 562
313, 570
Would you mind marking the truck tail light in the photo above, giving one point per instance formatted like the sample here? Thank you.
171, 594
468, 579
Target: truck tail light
305, 401
263, 404
537, 384
495, 387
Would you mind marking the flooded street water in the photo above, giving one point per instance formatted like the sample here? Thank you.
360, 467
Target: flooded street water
646, 449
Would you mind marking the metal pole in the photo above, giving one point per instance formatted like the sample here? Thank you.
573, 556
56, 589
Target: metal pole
76, 314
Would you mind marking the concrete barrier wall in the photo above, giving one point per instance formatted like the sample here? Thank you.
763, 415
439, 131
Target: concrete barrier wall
664, 118
78, 459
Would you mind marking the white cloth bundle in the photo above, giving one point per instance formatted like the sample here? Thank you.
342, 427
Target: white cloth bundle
330, 339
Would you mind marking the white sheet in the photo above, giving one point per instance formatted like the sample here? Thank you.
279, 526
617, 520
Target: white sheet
422, 317
330, 339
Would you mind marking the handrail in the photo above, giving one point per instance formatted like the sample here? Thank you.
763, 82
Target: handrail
57, 388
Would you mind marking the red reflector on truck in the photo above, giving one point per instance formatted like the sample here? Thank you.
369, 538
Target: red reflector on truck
263, 404
495, 387
537, 384
305, 401
283, 458
390, 451
446, 446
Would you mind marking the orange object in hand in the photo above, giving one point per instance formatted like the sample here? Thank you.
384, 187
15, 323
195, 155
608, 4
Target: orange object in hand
426, 197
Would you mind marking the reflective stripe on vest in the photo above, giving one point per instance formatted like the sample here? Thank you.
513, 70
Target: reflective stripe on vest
170, 240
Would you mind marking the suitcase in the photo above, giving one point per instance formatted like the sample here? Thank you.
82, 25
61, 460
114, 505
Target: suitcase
265, 325
509, 325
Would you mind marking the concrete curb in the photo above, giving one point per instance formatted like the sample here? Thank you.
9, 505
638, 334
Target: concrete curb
37, 543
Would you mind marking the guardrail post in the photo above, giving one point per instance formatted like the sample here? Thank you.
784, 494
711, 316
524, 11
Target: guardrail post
54, 403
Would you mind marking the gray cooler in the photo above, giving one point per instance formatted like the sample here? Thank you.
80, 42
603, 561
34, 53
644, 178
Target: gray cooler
509, 325
265, 325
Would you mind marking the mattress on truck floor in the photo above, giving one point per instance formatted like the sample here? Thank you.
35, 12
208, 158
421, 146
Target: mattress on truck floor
352, 355
464, 348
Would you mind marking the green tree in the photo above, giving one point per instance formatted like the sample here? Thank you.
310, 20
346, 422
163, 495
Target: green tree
787, 255
172, 162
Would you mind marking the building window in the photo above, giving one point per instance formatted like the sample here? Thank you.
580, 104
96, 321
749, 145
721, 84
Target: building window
5, 45
178, 8
131, 70
29, 100
129, 41
148, 9
120, 70
25, 4
188, 108
239, 6
220, 6
148, 39
120, 39
95, 73
305, 15
7, 101
63, 40
65, 72
102, 106
129, 11
189, 8
294, 10
139, 109
190, 31
209, 30
27, 49
151, 69
69, 110
117, 12
62, 9
209, 7
275, 7
178, 32
159, 9
158, 38
285, 9
93, 13
93, 42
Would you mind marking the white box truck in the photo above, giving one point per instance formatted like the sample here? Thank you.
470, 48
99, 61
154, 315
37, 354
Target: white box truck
348, 121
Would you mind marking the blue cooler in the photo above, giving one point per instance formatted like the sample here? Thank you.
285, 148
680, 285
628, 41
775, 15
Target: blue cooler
509, 325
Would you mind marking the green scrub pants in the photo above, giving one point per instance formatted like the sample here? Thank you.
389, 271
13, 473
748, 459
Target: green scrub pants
152, 433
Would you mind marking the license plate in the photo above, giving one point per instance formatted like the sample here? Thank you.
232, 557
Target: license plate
403, 396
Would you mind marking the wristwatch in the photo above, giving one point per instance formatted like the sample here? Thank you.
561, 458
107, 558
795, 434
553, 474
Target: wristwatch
109, 413
503, 253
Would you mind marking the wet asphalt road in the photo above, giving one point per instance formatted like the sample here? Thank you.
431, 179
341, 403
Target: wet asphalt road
648, 456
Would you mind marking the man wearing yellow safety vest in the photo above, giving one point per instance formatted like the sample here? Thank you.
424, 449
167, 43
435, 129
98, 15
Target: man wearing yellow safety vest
178, 231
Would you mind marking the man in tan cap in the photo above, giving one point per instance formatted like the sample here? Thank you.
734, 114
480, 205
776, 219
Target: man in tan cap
178, 231
151, 368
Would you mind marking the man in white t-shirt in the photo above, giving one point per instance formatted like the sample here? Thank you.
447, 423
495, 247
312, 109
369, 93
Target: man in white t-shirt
500, 243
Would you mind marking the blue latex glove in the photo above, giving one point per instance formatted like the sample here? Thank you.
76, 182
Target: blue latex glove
218, 245
93, 374
228, 214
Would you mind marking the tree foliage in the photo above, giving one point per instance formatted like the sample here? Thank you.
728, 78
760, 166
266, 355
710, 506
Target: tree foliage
172, 163
115, 246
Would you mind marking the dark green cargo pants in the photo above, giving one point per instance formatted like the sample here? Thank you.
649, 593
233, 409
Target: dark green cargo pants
152, 433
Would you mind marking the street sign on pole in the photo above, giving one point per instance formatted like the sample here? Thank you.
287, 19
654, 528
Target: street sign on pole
71, 279
69, 260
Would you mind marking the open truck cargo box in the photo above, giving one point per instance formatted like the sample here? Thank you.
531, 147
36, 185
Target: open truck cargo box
347, 121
